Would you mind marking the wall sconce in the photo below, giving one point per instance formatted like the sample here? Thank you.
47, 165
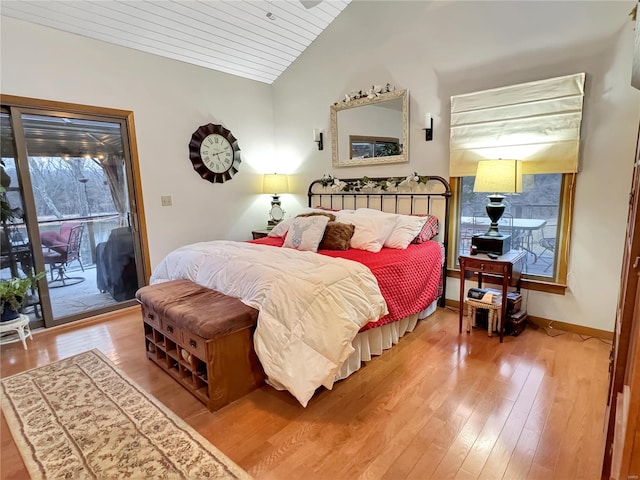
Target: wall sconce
317, 137
428, 127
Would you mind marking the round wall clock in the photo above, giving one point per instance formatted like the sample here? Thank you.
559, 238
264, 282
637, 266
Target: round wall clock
214, 153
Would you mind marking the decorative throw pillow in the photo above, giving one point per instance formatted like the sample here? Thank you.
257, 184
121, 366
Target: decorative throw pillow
371, 231
428, 231
332, 210
328, 209
54, 241
281, 229
406, 229
331, 216
305, 233
337, 236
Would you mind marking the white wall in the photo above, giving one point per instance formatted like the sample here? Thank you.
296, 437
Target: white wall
439, 49
170, 100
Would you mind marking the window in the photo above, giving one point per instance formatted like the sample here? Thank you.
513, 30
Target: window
537, 123
536, 219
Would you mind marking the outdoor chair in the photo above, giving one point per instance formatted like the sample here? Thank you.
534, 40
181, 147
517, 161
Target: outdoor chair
548, 244
62, 249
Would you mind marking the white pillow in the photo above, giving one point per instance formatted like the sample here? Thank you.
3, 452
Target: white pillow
305, 233
371, 230
406, 229
322, 210
281, 229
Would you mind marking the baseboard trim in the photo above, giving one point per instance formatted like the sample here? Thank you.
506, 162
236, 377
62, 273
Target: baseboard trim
570, 327
85, 322
555, 324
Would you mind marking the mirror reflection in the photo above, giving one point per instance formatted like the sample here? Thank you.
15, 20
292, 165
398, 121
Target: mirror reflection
370, 131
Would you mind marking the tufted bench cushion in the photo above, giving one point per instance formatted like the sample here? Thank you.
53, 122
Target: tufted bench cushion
205, 312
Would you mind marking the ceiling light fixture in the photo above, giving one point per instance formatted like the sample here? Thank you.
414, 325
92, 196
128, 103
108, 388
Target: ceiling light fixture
270, 14
309, 3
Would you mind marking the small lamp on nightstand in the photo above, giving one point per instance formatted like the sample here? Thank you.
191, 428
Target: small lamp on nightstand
275, 184
496, 177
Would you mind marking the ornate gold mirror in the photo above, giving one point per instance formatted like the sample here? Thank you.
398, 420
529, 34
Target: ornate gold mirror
370, 131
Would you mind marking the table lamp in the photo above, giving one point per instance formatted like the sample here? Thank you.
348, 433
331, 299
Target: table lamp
275, 184
496, 177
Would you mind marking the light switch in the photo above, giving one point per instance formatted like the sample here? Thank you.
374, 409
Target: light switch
166, 200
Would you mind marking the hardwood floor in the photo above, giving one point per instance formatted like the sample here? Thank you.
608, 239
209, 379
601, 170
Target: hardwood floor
438, 405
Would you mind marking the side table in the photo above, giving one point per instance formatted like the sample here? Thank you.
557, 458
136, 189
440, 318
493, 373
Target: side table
507, 266
21, 326
260, 234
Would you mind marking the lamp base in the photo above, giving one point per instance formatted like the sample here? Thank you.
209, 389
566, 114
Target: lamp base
272, 223
491, 244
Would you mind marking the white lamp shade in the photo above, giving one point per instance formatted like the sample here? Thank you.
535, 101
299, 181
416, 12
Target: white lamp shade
498, 176
275, 183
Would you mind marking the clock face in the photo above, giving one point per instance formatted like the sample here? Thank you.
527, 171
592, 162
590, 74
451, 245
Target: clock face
214, 153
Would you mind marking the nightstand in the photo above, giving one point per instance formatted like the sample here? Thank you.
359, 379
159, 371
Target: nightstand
260, 233
507, 266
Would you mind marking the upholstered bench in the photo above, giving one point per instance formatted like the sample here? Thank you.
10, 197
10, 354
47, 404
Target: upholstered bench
203, 339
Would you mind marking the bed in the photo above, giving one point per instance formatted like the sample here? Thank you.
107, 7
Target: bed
323, 312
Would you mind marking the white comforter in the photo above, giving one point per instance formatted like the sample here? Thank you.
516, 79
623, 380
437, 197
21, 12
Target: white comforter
311, 306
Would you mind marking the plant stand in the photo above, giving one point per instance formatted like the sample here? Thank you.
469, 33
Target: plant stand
20, 326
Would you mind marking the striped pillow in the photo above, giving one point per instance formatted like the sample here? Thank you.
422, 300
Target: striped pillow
429, 230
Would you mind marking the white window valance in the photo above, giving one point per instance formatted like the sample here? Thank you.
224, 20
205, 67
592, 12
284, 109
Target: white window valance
537, 122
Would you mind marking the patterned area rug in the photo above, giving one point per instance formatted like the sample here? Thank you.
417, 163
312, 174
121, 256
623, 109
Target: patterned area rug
83, 418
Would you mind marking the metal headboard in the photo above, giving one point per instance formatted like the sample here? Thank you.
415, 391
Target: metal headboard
393, 202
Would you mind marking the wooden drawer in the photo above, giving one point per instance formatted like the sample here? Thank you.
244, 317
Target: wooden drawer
171, 330
489, 267
150, 317
195, 344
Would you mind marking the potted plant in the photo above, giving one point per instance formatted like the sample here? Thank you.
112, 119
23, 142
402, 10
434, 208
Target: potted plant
13, 293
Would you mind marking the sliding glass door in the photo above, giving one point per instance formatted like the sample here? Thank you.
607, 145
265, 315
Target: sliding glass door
16, 254
80, 217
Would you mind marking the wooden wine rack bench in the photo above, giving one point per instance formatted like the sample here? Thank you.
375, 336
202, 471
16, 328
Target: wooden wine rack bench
203, 339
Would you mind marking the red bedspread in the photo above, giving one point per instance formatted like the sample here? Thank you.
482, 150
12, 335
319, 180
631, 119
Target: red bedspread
408, 279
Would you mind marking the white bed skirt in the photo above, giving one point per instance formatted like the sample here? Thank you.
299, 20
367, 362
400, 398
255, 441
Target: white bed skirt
375, 340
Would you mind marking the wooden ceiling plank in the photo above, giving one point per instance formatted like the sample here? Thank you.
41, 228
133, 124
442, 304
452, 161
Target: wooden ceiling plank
229, 36
60, 17
164, 32
256, 30
304, 26
210, 38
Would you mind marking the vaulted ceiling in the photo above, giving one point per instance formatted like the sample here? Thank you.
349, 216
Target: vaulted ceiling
255, 39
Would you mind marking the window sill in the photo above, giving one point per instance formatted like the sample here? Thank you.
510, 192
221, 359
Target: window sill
536, 285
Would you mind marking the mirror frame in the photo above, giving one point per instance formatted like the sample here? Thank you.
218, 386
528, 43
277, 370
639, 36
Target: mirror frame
350, 162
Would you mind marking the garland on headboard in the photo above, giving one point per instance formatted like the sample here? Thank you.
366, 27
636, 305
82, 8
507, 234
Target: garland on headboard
338, 185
